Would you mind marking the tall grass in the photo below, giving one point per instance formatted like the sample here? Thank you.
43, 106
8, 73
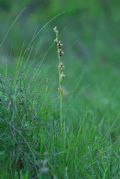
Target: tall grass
31, 144
43, 137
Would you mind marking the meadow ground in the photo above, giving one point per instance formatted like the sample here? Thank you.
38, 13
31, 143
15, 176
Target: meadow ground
32, 142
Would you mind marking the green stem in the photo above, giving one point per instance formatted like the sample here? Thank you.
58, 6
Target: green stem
60, 76
60, 95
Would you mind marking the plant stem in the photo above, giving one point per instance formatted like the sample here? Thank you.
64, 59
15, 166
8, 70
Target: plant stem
61, 76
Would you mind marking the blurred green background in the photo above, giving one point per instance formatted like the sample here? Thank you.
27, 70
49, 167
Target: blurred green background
90, 33
89, 29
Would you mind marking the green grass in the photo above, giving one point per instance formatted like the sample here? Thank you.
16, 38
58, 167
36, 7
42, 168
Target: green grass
32, 141
31, 144
41, 135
